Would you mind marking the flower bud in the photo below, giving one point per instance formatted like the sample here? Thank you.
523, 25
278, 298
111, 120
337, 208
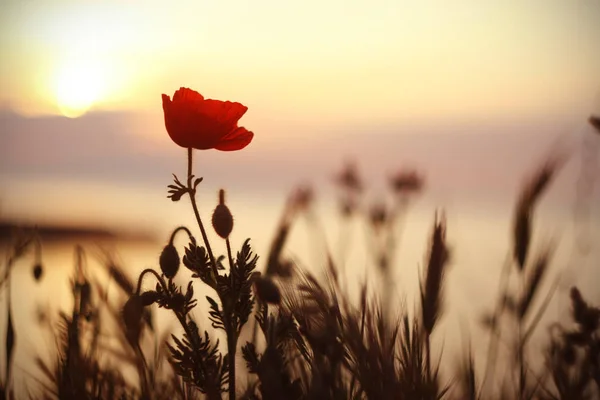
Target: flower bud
148, 298
222, 219
169, 261
132, 317
37, 271
266, 290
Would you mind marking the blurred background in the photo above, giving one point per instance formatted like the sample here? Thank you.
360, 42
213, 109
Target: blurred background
474, 96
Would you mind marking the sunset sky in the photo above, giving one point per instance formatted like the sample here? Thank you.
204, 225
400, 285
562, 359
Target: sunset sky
356, 78
313, 61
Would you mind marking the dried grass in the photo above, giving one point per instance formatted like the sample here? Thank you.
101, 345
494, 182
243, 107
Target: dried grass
311, 340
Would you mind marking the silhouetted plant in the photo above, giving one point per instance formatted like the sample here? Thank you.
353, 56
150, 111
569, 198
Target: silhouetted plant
311, 340
573, 356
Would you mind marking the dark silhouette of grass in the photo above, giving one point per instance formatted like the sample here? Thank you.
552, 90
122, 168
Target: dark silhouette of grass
310, 339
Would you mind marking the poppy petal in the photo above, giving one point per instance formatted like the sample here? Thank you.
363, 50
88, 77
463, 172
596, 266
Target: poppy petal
227, 112
187, 95
199, 123
166, 100
235, 140
235, 111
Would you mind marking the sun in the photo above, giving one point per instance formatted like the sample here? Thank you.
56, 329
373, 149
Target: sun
77, 87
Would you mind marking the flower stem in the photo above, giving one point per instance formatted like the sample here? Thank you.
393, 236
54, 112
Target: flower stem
231, 328
158, 278
230, 262
232, 331
232, 344
181, 228
192, 193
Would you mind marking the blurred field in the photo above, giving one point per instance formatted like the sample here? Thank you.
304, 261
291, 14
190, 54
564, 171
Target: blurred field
131, 218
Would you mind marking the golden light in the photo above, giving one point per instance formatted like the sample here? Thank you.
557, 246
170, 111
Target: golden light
78, 85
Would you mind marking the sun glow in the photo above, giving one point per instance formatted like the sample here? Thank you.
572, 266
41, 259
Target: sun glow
78, 85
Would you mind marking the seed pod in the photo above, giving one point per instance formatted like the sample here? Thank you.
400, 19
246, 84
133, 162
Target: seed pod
132, 317
222, 220
169, 261
37, 272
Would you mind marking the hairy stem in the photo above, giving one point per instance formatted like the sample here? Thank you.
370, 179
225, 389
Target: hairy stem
180, 228
232, 332
153, 272
192, 194
232, 345
230, 261
182, 318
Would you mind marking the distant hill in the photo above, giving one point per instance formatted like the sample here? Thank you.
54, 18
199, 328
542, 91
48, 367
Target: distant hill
65, 232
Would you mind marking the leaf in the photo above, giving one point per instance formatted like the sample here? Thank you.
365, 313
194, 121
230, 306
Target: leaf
196, 260
177, 190
197, 361
219, 263
213, 304
242, 284
533, 282
175, 193
251, 357
215, 314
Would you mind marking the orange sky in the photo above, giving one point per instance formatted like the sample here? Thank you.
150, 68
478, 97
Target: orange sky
315, 61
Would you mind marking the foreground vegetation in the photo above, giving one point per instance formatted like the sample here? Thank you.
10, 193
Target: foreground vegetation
291, 335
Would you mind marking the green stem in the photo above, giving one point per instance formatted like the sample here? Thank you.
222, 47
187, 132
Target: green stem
180, 228
230, 328
192, 193
232, 345
232, 331
158, 278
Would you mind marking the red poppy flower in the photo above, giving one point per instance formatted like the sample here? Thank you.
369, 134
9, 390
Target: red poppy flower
195, 122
